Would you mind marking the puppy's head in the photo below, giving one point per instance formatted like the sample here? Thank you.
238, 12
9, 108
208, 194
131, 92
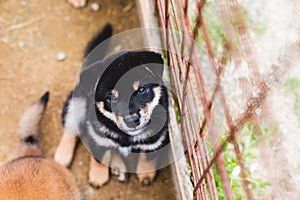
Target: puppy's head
129, 90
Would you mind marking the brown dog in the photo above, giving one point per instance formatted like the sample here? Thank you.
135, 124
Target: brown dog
31, 176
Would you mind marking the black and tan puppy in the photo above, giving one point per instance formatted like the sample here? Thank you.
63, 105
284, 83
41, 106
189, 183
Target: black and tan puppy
119, 110
31, 176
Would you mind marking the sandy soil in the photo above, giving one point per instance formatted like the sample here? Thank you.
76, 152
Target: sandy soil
28, 68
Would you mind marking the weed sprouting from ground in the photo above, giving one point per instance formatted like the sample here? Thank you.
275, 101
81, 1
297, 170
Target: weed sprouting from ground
249, 138
292, 86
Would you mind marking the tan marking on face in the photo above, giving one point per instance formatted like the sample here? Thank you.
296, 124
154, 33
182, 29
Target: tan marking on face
100, 104
110, 115
115, 93
136, 85
145, 110
119, 121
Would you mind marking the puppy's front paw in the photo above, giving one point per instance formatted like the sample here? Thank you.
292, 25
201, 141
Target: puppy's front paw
122, 176
146, 179
98, 174
77, 3
65, 149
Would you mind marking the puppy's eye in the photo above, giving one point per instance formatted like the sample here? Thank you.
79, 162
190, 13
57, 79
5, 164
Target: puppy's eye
141, 90
111, 99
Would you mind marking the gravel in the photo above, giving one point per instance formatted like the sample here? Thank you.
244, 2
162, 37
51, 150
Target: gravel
61, 56
95, 7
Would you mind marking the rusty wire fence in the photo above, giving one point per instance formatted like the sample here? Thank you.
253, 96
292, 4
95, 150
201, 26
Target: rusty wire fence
203, 84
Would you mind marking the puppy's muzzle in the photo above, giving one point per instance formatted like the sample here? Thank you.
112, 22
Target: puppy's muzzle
132, 120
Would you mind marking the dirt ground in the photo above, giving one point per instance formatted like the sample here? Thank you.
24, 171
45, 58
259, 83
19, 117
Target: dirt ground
31, 34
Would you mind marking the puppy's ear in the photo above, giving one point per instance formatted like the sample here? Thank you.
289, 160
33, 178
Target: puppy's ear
88, 78
91, 74
151, 57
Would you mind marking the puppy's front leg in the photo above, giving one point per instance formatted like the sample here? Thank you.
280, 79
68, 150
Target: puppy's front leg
146, 170
65, 149
118, 167
99, 173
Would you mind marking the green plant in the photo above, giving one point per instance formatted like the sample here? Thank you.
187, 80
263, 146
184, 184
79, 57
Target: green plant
292, 86
215, 27
249, 137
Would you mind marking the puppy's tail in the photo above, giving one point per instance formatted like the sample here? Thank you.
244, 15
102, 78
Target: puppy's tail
104, 34
29, 128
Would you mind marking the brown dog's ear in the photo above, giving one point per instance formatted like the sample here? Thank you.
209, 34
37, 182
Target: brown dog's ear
154, 61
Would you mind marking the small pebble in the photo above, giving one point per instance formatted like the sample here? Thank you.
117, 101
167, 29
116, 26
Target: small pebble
5, 39
61, 56
89, 191
81, 196
23, 3
21, 44
95, 7
67, 18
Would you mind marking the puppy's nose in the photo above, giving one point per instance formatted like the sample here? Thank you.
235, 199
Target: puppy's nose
132, 120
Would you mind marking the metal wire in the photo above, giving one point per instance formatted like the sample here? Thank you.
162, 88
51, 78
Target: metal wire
193, 96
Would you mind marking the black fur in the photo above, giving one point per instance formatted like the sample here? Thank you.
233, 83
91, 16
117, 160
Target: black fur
31, 140
101, 38
45, 98
65, 108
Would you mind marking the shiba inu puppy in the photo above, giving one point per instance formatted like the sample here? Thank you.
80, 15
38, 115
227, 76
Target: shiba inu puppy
119, 108
31, 176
